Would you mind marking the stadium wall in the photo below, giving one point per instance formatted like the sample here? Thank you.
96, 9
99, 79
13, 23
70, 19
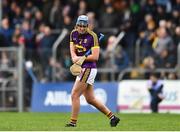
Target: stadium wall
128, 96
56, 97
133, 96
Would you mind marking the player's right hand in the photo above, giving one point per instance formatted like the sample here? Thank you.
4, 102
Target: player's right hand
75, 59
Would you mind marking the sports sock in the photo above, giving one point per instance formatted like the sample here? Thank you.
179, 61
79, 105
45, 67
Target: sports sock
110, 115
73, 121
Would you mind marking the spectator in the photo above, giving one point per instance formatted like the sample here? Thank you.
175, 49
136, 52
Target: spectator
112, 18
59, 74
28, 35
107, 54
163, 41
7, 32
83, 9
150, 7
30, 7
29, 18
5, 8
55, 16
2, 40
147, 36
166, 3
47, 40
45, 47
46, 10
121, 59
165, 59
172, 76
18, 39
39, 35
93, 24
17, 18
161, 13
67, 23
177, 36
13, 7
115, 56
73, 8
38, 20
175, 16
149, 65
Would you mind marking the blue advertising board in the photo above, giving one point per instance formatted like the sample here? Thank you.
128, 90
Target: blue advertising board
56, 97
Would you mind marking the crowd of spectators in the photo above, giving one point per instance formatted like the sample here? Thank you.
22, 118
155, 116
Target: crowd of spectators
35, 24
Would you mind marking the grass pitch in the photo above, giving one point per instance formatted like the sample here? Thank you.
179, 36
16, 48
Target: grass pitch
88, 122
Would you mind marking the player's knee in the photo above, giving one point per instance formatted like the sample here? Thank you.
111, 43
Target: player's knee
90, 100
74, 96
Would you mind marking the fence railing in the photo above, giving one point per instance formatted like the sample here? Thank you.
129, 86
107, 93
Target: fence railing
137, 52
11, 80
143, 71
55, 46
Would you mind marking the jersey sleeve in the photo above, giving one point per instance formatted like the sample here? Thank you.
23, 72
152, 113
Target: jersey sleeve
95, 41
71, 37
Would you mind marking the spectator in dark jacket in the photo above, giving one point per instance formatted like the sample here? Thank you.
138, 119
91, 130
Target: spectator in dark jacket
6, 32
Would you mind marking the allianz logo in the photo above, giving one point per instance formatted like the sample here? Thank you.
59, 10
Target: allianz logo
63, 98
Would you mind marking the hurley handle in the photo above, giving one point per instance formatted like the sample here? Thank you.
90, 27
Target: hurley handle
89, 51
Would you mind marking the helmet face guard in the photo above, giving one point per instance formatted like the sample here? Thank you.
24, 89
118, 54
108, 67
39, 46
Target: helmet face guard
82, 20
82, 23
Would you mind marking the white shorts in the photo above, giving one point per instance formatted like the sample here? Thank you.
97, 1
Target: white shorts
87, 75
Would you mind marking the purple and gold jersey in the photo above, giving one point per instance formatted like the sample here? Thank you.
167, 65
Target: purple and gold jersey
84, 42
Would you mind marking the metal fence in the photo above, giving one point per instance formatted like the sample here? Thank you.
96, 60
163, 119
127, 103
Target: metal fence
11, 79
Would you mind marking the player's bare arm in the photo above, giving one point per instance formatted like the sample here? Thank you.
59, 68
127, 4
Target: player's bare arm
74, 57
95, 54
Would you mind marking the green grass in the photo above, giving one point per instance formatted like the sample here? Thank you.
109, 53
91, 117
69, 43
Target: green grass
88, 122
